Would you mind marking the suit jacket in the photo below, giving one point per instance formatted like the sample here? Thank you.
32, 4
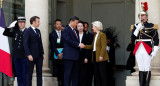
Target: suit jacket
86, 39
53, 43
131, 60
83, 52
17, 35
111, 55
89, 42
101, 44
33, 43
71, 44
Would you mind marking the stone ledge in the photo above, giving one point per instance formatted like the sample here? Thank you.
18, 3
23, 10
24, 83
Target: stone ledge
134, 81
47, 81
43, 74
153, 73
137, 77
44, 70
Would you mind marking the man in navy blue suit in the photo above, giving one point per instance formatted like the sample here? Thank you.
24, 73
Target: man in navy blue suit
56, 42
71, 52
33, 50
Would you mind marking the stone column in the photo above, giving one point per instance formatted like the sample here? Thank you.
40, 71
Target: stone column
154, 17
40, 8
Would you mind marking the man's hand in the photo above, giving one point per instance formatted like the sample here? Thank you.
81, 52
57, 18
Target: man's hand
12, 24
81, 45
60, 56
100, 58
85, 60
114, 68
43, 57
30, 58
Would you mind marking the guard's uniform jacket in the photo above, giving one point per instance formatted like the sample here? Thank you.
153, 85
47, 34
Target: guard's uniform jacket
148, 36
18, 49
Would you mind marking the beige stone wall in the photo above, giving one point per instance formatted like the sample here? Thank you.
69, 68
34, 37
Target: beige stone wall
39, 8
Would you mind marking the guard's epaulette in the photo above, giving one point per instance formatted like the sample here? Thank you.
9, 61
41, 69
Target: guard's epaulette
156, 26
132, 26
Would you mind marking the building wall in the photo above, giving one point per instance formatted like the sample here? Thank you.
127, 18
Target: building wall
116, 13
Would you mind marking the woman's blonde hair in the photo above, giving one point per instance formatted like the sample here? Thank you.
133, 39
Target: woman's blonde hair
98, 24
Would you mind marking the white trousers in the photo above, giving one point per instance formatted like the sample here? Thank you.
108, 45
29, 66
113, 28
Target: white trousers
143, 59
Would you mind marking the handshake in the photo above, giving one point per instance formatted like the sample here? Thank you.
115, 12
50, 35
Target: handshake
81, 45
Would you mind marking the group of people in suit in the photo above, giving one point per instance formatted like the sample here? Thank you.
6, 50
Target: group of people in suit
27, 50
71, 66
83, 54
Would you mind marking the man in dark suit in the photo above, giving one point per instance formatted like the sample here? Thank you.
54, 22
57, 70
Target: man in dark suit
34, 50
20, 61
111, 62
56, 42
71, 53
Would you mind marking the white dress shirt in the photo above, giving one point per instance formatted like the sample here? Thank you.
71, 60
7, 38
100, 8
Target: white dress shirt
80, 37
108, 48
58, 33
34, 29
94, 47
22, 29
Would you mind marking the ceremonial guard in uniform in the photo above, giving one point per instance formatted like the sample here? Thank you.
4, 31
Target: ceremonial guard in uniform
18, 53
145, 36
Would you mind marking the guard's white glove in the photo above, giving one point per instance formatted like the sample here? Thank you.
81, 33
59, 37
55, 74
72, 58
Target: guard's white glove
155, 50
153, 54
12, 24
138, 27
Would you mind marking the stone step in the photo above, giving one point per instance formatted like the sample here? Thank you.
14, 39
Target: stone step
44, 70
134, 81
47, 81
43, 74
153, 73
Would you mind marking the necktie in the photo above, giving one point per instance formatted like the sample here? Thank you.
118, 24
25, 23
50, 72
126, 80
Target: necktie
37, 32
75, 34
21, 31
59, 34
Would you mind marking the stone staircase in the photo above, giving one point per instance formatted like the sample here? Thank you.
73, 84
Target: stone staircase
48, 80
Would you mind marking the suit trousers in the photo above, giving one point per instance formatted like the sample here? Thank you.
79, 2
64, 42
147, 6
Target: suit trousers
100, 72
58, 71
30, 67
110, 74
143, 59
86, 74
71, 72
21, 71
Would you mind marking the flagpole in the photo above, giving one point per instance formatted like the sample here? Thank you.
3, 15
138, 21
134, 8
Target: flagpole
1, 3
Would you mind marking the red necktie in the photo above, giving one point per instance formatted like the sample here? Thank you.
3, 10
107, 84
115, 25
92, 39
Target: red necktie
75, 34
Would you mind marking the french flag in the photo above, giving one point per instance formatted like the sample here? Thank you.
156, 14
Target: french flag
5, 57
